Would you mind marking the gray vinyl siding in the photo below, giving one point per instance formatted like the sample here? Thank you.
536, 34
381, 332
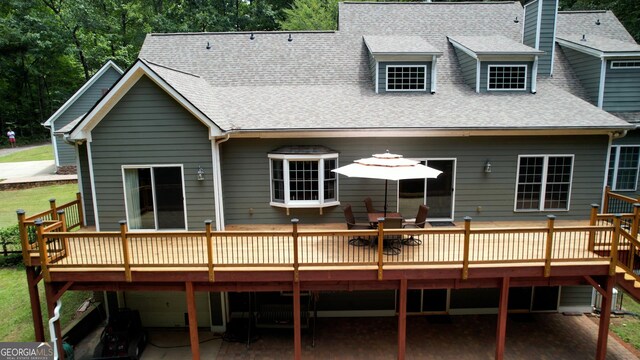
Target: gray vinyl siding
246, 179
546, 36
576, 297
621, 89
85, 178
530, 23
484, 70
587, 69
147, 127
382, 73
372, 68
66, 153
468, 66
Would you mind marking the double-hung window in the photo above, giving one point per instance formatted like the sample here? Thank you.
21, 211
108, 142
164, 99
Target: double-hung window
303, 180
623, 168
507, 77
543, 182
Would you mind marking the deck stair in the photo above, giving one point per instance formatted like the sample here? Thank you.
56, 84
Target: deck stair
629, 282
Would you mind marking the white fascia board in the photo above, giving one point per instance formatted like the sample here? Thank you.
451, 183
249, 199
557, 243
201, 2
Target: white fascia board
465, 49
580, 48
82, 90
122, 87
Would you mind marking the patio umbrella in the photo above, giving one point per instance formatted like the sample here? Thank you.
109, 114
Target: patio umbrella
387, 167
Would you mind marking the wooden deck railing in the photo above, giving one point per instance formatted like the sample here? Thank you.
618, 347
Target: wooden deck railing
48, 235
617, 203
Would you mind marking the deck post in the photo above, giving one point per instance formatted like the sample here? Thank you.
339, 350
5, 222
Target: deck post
551, 219
125, 250
593, 220
34, 297
296, 265
24, 238
207, 227
501, 331
297, 323
635, 227
42, 248
380, 246
607, 193
63, 228
193, 321
50, 293
80, 211
614, 244
467, 240
605, 315
402, 319
54, 208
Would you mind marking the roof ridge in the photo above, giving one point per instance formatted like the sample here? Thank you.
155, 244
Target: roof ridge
431, 3
582, 11
170, 68
247, 32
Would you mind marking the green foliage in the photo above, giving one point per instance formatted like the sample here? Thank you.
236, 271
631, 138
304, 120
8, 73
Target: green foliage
33, 200
311, 15
38, 153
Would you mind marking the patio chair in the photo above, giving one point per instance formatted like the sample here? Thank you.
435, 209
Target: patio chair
352, 225
368, 203
420, 221
391, 246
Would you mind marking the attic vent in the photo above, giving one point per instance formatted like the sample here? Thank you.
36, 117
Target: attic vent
584, 37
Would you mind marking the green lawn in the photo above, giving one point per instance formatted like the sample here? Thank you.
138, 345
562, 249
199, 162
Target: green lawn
628, 327
33, 200
16, 323
44, 152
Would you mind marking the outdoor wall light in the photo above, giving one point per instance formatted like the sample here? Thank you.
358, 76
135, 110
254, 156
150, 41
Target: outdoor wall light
487, 167
200, 173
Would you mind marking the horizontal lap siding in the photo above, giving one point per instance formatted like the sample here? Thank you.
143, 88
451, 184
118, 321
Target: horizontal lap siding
621, 89
246, 175
147, 127
531, 23
66, 153
468, 67
587, 69
85, 177
546, 36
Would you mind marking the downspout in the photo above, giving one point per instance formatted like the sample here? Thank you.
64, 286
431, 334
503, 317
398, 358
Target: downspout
217, 182
52, 329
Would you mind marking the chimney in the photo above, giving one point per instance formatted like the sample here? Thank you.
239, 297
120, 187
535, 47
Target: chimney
539, 31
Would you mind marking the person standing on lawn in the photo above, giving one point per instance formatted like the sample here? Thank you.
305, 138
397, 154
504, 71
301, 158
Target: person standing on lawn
12, 138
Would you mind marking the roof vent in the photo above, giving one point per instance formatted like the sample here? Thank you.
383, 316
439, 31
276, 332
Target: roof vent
252, 37
516, 20
598, 22
584, 37
290, 39
208, 46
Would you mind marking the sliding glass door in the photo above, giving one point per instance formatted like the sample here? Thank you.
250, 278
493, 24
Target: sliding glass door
436, 193
154, 197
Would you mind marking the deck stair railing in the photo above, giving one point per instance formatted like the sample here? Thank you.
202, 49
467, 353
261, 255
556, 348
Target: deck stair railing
73, 219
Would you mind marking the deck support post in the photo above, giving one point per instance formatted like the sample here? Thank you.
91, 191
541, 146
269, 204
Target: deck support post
593, 220
467, 241
51, 293
80, 210
297, 323
402, 319
501, 331
193, 321
34, 297
551, 219
605, 316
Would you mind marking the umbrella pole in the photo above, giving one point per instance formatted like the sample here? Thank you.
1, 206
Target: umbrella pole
385, 198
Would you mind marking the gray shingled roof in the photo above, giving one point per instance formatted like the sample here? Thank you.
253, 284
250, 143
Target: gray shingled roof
584, 22
494, 45
600, 43
399, 45
321, 80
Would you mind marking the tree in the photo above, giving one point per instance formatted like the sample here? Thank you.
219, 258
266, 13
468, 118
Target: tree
311, 15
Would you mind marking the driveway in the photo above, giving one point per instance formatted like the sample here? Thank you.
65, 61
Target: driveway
18, 170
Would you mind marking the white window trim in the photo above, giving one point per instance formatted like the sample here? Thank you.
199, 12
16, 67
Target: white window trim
424, 84
616, 162
543, 185
288, 203
615, 62
526, 75
153, 184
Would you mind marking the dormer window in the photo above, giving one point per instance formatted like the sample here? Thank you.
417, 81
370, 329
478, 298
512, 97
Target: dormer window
507, 77
632, 64
406, 77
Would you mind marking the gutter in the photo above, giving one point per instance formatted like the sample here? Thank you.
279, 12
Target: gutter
52, 329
